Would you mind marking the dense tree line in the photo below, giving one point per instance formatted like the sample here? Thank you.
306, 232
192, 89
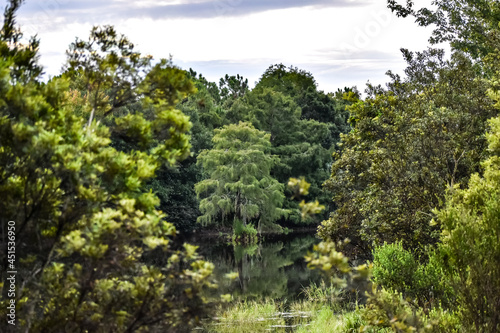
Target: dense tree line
416, 182
94, 162
304, 125
76, 156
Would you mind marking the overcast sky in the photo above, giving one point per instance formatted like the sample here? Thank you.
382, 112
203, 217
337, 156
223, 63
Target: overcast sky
341, 42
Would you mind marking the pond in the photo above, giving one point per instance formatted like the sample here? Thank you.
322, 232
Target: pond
274, 268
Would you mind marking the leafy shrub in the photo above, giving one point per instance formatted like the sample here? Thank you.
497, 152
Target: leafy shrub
470, 248
444, 321
397, 269
387, 310
394, 267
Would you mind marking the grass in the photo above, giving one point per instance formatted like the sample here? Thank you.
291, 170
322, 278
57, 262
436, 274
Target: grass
320, 311
325, 320
324, 294
323, 309
251, 316
269, 315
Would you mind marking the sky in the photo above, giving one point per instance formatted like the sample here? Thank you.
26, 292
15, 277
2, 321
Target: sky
343, 43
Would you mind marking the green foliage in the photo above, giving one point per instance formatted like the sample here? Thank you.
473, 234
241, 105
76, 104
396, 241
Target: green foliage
309, 209
335, 264
304, 124
300, 187
470, 247
239, 184
409, 145
301, 86
250, 317
232, 87
324, 294
85, 224
297, 142
175, 185
466, 24
244, 233
107, 69
291, 81
123, 88
385, 309
301, 317
326, 320
396, 269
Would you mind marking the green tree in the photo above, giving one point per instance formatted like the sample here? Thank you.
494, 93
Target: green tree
107, 70
291, 81
174, 185
84, 224
409, 144
297, 142
109, 76
211, 87
232, 87
239, 186
301, 86
306, 121
113, 76
470, 248
466, 24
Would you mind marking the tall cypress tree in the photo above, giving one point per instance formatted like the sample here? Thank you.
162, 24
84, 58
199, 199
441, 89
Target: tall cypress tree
239, 185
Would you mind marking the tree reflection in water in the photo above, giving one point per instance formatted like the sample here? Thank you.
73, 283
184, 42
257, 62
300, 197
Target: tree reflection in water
274, 268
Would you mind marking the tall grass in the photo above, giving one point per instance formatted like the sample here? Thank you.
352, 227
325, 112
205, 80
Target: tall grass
251, 316
320, 311
324, 294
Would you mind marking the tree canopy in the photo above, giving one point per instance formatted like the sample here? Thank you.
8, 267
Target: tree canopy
239, 186
409, 144
85, 223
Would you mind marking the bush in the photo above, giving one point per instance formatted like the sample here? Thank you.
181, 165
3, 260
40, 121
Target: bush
394, 267
443, 321
386, 311
470, 248
397, 269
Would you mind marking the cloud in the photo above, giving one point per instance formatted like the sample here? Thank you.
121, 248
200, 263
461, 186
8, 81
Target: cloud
342, 43
343, 54
209, 9
94, 10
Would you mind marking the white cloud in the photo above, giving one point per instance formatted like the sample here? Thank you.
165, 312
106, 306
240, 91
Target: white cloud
339, 45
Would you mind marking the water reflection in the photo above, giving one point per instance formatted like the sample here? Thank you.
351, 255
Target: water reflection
274, 268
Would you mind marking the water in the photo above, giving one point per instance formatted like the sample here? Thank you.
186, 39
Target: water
274, 268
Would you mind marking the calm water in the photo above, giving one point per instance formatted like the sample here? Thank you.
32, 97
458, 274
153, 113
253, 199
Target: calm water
274, 268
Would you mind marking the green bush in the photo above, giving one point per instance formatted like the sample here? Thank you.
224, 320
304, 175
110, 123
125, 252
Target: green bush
397, 269
444, 321
394, 267
470, 245
387, 310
